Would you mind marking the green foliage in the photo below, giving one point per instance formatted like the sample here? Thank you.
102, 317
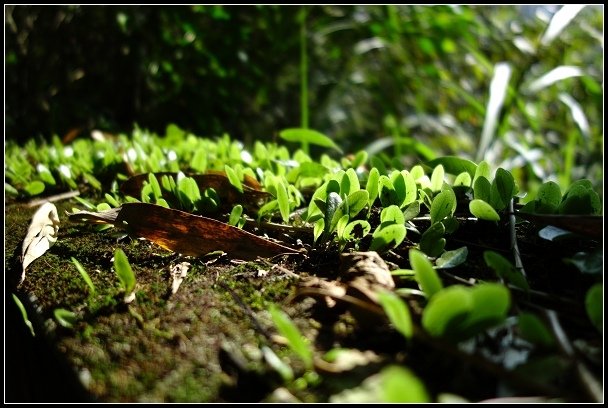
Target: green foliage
534, 330
123, 270
483, 210
65, 318
397, 312
296, 341
425, 275
459, 312
26, 320
505, 270
85, 275
594, 305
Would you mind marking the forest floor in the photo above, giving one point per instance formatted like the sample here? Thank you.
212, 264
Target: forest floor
210, 341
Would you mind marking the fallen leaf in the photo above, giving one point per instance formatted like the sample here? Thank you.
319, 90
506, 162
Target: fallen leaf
41, 235
588, 225
184, 233
178, 273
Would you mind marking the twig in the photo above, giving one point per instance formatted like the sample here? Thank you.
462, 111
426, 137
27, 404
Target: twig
588, 382
518, 263
57, 197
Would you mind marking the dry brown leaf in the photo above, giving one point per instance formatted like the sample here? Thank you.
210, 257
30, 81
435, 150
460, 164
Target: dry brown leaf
588, 225
185, 233
178, 273
41, 235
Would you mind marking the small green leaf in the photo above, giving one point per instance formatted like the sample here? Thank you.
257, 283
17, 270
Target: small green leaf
594, 306
391, 215
26, 320
360, 159
388, 195
411, 211
199, 161
398, 182
96, 184
483, 170
357, 229
235, 215
319, 227
548, 198
295, 340
454, 165
463, 179
483, 210
432, 242
103, 207
283, 200
580, 198
437, 178
353, 182
450, 259
397, 312
532, 329
45, 174
309, 136
391, 235
482, 189
372, 185
356, 201
411, 190
443, 205
124, 271
34, 188
491, 303
505, 269
446, 310
400, 385
85, 275
234, 179
110, 199
65, 318
426, 276
502, 189
156, 192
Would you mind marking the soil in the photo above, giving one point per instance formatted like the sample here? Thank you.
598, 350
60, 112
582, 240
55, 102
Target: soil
206, 342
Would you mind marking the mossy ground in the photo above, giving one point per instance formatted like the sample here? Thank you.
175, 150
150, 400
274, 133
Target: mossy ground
203, 343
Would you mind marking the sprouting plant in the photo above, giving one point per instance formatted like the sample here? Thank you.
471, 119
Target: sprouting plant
85, 275
296, 341
65, 317
26, 320
125, 274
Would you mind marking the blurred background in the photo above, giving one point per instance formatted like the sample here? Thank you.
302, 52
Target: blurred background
519, 86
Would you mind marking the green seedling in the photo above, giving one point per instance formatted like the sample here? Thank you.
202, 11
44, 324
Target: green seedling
594, 306
233, 177
580, 198
236, 219
308, 136
443, 205
425, 275
26, 320
482, 210
532, 329
505, 270
458, 312
432, 241
125, 274
85, 275
295, 340
65, 318
450, 259
397, 312
437, 177
547, 200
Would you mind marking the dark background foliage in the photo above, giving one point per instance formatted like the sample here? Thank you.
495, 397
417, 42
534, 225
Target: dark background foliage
411, 81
